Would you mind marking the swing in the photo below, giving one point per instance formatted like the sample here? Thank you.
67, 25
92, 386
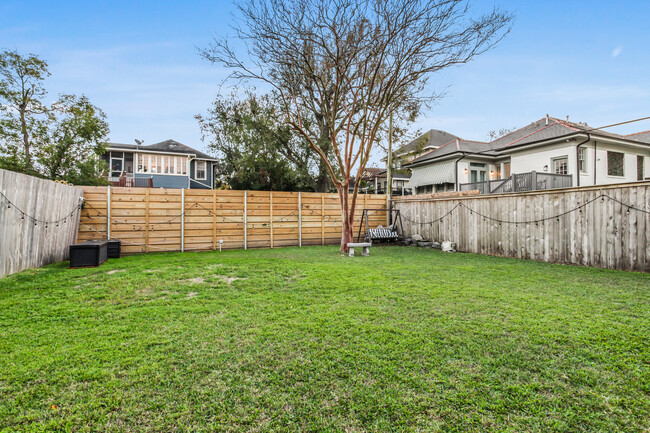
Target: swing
388, 234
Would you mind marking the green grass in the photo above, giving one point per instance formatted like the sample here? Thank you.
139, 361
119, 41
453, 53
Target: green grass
308, 340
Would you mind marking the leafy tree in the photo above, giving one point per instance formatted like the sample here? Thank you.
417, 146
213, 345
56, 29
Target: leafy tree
354, 62
25, 116
75, 141
62, 141
255, 149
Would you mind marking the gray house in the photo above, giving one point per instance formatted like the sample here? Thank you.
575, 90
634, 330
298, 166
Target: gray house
168, 164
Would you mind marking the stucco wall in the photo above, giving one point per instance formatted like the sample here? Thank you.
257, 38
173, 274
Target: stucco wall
536, 158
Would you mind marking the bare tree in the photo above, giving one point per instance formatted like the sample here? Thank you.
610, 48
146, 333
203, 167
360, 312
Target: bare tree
354, 62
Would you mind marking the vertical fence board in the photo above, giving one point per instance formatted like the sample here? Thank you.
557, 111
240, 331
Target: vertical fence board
604, 234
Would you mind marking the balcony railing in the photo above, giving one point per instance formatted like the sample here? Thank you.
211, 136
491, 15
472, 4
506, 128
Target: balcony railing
531, 181
129, 181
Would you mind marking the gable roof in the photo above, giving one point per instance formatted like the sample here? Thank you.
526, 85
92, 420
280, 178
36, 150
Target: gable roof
430, 139
544, 129
167, 146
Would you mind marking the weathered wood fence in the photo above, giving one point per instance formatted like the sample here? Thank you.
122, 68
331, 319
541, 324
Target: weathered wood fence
38, 221
606, 226
156, 219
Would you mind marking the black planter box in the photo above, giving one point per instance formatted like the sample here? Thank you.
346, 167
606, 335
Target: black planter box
88, 253
114, 248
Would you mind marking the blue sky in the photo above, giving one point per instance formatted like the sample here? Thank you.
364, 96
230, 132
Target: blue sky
138, 61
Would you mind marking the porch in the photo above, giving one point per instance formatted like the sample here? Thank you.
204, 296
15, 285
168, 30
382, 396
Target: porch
531, 181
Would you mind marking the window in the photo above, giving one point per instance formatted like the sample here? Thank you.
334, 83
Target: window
582, 160
161, 164
117, 164
561, 165
639, 167
507, 169
615, 164
200, 170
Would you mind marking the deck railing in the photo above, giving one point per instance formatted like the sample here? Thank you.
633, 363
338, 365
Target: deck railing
531, 181
127, 181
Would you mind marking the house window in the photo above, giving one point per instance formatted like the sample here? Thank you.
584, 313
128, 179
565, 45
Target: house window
561, 165
117, 164
582, 159
615, 164
200, 170
639, 167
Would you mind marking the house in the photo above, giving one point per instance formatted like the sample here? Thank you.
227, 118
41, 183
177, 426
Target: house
548, 153
168, 164
425, 143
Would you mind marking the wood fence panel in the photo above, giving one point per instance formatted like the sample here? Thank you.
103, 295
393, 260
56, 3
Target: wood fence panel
603, 226
158, 219
38, 221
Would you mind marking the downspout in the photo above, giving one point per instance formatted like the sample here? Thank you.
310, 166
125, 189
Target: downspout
456, 171
578, 159
595, 161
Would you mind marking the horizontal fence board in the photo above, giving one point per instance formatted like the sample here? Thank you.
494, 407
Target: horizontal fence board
150, 220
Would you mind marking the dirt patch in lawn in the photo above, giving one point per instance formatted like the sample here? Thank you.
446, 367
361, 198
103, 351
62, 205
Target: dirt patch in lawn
229, 280
115, 271
191, 295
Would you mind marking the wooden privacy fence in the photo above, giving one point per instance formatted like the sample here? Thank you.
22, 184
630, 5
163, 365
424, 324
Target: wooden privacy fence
156, 219
606, 226
38, 221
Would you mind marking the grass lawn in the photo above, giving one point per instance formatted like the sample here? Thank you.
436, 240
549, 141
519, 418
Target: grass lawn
308, 340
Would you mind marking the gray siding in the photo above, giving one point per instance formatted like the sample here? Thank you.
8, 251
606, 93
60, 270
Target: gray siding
165, 181
201, 184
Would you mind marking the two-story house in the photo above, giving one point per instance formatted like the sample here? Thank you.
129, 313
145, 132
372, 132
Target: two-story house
548, 153
168, 164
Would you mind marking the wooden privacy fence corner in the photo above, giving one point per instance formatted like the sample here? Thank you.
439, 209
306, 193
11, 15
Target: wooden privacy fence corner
150, 220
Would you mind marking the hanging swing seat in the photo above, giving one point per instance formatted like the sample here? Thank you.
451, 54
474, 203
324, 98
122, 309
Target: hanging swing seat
380, 233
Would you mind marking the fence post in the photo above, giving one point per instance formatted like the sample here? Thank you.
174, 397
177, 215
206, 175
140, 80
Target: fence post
183, 220
108, 212
147, 226
299, 219
271, 215
387, 210
322, 219
245, 219
533, 181
214, 220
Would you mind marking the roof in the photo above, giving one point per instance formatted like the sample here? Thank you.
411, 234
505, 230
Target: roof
168, 146
541, 130
643, 137
430, 139
395, 175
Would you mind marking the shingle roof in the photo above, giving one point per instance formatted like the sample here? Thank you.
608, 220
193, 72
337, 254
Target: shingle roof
431, 138
171, 146
643, 137
544, 129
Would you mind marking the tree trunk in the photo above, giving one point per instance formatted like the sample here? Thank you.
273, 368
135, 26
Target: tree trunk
347, 218
23, 128
323, 179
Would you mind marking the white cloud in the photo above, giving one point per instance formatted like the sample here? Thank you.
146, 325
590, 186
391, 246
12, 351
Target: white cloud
616, 51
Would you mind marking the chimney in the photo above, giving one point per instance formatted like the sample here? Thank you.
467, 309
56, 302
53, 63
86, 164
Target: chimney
547, 120
567, 117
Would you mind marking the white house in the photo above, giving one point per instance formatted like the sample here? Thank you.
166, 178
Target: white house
548, 153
